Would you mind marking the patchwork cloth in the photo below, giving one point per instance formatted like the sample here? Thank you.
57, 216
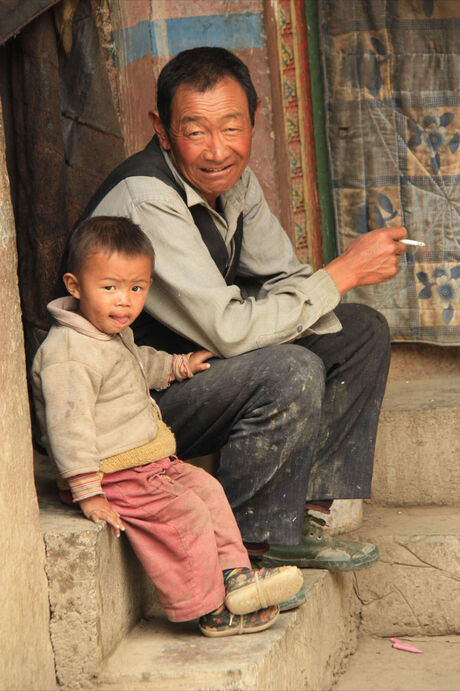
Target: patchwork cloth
391, 71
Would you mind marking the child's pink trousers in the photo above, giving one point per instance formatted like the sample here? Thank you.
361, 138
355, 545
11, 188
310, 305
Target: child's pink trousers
182, 529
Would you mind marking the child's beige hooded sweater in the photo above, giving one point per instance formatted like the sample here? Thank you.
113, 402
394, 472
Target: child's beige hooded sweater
92, 398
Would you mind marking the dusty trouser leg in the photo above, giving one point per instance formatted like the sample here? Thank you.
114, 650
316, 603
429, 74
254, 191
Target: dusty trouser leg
356, 361
265, 408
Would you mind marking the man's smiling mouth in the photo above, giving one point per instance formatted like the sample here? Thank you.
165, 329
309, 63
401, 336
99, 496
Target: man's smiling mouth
216, 170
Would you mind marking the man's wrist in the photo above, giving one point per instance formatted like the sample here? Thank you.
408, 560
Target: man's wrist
343, 279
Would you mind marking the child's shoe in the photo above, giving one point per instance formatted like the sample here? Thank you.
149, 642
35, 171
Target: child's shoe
227, 624
249, 590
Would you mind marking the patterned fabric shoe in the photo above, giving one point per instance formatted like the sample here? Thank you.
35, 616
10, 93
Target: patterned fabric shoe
228, 624
318, 550
252, 590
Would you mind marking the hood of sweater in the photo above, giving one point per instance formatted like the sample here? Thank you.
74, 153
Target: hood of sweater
65, 312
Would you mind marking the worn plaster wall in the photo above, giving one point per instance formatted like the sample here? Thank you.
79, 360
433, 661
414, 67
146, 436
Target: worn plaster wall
144, 35
26, 658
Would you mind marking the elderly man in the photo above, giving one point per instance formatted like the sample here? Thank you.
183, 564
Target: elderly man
293, 395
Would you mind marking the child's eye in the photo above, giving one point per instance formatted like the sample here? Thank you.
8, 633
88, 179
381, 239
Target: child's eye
136, 289
109, 287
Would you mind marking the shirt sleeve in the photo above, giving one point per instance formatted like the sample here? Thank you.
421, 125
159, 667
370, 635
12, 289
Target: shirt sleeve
180, 368
69, 391
190, 295
156, 365
85, 486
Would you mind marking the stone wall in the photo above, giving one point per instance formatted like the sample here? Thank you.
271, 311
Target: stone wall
26, 657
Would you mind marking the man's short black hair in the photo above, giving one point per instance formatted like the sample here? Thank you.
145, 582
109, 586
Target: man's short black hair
106, 234
202, 68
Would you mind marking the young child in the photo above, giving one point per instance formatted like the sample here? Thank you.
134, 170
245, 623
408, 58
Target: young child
105, 433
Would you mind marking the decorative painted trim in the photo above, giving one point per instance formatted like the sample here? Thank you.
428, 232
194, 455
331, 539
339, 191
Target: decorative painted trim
298, 128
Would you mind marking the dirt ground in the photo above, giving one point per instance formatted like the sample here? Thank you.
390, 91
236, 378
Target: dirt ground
377, 666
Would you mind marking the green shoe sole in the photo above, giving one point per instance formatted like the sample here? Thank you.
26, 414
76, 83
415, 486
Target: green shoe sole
293, 602
282, 555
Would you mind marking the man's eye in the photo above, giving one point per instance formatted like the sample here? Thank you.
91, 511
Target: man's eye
194, 134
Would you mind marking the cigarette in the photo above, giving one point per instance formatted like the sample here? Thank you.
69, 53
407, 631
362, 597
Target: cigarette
416, 243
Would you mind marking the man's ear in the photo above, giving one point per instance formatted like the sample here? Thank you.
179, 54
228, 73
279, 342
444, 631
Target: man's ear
159, 130
72, 285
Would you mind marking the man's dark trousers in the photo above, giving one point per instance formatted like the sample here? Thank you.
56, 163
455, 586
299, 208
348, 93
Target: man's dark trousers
296, 421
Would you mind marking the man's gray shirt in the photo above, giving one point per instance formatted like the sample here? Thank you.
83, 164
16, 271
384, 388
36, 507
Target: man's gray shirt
282, 298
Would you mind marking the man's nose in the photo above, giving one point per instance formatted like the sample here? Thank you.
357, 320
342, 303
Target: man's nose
216, 147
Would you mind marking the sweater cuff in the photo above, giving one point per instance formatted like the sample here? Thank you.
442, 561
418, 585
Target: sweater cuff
85, 486
180, 368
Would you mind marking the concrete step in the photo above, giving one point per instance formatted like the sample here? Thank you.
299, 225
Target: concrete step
304, 649
421, 361
98, 592
415, 587
418, 443
97, 588
378, 666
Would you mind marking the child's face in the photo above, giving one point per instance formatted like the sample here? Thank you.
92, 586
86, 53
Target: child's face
111, 288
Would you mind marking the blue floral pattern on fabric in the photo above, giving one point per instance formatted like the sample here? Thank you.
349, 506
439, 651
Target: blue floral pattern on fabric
433, 136
445, 286
392, 104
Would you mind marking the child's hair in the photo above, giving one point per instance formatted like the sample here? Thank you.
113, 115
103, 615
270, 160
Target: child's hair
108, 234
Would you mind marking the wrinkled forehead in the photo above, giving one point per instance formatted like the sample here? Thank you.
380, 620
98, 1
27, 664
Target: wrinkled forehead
225, 96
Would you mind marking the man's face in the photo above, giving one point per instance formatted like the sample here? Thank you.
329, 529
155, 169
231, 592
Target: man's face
210, 136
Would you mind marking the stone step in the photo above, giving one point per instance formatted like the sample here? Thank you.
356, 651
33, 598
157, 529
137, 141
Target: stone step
97, 588
378, 666
415, 587
98, 592
304, 649
418, 443
422, 360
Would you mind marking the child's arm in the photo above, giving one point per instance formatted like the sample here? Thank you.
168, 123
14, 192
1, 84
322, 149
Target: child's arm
197, 360
185, 366
87, 491
161, 369
98, 509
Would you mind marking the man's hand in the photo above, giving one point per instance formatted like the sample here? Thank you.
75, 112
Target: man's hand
98, 509
197, 360
372, 258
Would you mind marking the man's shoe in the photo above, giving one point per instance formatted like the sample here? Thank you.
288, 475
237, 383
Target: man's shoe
228, 624
294, 602
252, 590
318, 550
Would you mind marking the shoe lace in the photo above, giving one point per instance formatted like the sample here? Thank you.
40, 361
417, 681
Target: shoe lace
313, 526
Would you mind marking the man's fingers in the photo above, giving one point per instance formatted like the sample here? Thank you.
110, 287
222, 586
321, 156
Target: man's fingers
400, 248
397, 232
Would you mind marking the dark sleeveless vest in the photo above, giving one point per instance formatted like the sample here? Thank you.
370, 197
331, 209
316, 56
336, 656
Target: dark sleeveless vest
151, 163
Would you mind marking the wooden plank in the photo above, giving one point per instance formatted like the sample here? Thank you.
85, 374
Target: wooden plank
16, 14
